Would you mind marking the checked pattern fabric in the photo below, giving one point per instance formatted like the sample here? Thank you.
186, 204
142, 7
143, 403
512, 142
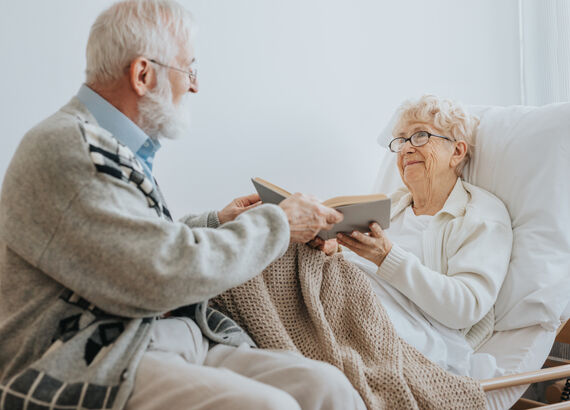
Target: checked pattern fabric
113, 158
35, 389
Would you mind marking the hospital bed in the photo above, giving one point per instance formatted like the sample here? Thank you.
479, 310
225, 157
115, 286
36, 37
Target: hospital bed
522, 155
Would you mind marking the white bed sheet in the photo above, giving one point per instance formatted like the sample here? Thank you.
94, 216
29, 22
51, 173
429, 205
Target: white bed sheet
506, 352
517, 351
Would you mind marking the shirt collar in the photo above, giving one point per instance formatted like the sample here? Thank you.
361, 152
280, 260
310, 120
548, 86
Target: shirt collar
455, 203
117, 123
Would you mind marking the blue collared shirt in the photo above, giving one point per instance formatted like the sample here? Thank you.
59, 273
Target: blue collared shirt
122, 128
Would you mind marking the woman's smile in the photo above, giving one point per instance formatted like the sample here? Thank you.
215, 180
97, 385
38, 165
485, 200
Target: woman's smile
407, 164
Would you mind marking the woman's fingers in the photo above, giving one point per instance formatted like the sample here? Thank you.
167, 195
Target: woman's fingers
364, 239
373, 246
375, 230
348, 241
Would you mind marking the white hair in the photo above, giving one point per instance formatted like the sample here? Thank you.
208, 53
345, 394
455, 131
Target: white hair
446, 115
128, 29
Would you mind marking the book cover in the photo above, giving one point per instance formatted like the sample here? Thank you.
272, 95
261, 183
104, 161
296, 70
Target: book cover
359, 211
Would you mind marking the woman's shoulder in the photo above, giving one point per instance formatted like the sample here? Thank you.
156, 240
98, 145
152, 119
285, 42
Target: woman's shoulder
484, 205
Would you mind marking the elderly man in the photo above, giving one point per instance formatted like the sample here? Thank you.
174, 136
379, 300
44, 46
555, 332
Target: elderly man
103, 298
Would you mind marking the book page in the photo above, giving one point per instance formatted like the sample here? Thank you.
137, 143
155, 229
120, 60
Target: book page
358, 210
352, 199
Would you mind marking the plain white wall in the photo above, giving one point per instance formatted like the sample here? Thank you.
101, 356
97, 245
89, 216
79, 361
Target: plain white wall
292, 91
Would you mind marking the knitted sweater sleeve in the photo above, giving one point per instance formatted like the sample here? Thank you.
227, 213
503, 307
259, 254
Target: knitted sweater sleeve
205, 220
97, 235
464, 289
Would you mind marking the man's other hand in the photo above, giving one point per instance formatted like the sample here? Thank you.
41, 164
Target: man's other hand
329, 247
307, 216
237, 206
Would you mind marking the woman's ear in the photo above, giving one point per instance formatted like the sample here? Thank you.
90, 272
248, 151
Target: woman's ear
459, 153
141, 76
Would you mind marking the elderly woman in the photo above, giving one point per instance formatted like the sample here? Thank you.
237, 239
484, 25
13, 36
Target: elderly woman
449, 243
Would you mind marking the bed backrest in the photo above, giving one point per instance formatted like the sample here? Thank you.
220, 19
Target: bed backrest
522, 155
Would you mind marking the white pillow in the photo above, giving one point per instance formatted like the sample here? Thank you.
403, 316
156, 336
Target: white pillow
522, 155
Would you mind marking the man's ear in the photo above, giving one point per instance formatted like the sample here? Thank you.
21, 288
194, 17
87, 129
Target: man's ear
459, 153
141, 76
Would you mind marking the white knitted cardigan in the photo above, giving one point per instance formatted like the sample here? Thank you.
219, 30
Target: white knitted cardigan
467, 248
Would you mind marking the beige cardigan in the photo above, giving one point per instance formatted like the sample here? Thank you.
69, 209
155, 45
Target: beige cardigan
467, 248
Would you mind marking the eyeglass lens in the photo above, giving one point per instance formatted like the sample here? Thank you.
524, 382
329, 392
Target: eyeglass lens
420, 138
417, 140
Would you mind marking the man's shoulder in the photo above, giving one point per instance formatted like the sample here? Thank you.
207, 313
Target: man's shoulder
64, 152
71, 114
72, 137
70, 149
57, 133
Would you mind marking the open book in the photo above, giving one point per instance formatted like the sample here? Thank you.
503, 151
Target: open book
358, 210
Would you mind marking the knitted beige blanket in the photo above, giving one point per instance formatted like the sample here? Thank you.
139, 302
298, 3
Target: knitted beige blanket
325, 308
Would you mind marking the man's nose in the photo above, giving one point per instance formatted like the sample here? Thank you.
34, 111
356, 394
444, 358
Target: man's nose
193, 86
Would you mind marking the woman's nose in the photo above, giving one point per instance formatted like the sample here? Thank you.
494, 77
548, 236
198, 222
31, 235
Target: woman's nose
407, 147
193, 86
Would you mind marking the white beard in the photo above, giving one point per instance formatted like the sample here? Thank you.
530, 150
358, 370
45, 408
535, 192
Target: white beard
159, 117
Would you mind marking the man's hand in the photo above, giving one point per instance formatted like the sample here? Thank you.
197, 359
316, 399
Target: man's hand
307, 216
237, 206
329, 247
373, 246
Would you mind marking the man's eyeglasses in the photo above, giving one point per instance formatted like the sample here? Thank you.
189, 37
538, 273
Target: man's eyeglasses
192, 74
417, 140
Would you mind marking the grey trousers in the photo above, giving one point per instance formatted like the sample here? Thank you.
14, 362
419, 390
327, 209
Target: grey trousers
179, 372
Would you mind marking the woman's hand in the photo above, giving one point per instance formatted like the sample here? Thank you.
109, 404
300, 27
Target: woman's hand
237, 206
329, 247
373, 246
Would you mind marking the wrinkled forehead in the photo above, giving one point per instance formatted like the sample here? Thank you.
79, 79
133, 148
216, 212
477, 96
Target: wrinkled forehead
405, 129
185, 56
182, 32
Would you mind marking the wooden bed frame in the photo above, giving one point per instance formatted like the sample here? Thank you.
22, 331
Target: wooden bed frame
554, 369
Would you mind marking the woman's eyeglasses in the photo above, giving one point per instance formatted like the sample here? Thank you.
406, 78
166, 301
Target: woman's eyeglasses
417, 140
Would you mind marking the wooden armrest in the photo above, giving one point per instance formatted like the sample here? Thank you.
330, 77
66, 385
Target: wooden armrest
563, 334
536, 376
561, 405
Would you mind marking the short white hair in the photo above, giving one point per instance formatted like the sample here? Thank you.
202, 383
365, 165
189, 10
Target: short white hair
132, 28
446, 115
